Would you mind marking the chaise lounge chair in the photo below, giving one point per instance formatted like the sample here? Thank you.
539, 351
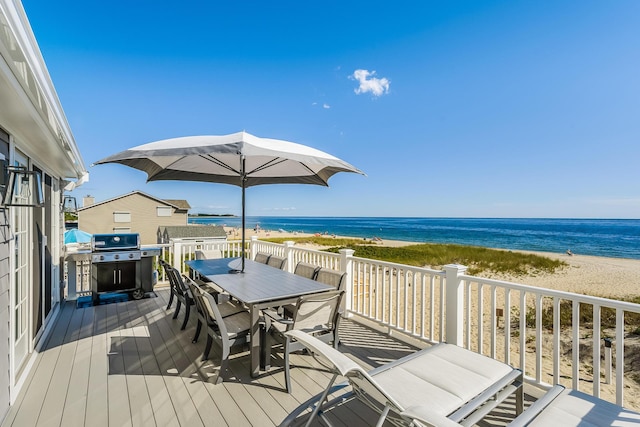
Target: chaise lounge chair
445, 381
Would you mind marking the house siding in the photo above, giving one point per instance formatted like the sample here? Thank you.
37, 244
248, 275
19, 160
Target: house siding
5, 325
144, 219
33, 128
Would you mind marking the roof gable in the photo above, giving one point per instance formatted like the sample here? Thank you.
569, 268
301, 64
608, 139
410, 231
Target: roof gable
140, 193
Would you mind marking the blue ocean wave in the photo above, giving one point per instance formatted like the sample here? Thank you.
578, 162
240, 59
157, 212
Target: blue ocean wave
618, 238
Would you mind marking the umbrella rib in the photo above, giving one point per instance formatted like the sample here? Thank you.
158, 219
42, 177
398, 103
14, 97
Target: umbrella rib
219, 163
270, 163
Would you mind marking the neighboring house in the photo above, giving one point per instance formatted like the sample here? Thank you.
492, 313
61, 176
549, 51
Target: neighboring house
135, 212
35, 136
191, 233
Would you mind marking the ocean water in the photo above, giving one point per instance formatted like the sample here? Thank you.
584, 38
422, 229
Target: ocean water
619, 238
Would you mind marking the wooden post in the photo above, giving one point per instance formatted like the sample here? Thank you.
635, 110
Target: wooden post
454, 308
346, 266
288, 254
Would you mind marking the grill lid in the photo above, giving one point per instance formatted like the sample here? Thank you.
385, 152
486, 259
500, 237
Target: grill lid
115, 242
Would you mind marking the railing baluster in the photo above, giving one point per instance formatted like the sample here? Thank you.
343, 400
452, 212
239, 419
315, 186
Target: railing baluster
596, 350
507, 326
413, 303
432, 306
480, 320
467, 335
523, 330
620, 356
575, 353
442, 318
556, 340
538, 338
423, 300
493, 322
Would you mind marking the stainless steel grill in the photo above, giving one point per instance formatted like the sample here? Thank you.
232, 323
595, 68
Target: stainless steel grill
118, 264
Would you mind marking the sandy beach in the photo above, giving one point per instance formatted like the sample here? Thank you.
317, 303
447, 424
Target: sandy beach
597, 276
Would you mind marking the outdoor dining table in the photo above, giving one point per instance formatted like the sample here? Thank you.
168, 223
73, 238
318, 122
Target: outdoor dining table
260, 286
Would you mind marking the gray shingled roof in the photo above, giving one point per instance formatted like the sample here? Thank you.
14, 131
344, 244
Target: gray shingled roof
179, 203
193, 231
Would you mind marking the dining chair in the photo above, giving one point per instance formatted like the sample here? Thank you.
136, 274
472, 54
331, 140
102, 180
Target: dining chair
276, 262
335, 279
226, 307
208, 254
262, 257
227, 332
181, 292
315, 314
302, 269
306, 270
165, 266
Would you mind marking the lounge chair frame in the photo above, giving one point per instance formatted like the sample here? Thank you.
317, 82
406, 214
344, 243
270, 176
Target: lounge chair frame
367, 389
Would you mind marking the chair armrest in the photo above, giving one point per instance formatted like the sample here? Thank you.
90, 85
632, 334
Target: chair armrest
537, 407
340, 362
273, 315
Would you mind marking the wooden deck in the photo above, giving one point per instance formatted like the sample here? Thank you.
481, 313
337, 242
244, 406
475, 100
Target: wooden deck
129, 364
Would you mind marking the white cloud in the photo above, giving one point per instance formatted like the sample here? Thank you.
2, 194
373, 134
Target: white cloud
326, 106
369, 83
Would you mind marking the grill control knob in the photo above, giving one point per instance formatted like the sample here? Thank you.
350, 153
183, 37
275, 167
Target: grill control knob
116, 256
130, 255
101, 257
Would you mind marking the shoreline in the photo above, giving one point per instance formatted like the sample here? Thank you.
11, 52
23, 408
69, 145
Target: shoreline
606, 277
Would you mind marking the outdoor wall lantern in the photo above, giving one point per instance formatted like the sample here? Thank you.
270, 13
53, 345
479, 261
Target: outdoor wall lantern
69, 204
24, 188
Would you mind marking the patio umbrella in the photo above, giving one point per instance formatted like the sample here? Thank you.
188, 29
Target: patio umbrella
76, 236
239, 159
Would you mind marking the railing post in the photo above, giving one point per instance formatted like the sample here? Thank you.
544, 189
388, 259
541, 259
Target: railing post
288, 254
72, 278
177, 256
454, 309
346, 266
252, 243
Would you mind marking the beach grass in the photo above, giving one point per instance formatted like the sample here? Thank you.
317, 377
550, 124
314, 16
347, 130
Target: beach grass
607, 316
477, 259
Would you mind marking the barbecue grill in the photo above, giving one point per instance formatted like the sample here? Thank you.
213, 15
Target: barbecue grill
119, 264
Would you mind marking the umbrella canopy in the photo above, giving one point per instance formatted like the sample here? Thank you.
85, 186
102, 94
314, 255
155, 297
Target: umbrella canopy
76, 236
238, 159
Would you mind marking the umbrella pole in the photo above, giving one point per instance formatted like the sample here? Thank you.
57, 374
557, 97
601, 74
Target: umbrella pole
243, 178
243, 226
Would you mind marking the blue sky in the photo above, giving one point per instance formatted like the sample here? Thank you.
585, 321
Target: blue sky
452, 108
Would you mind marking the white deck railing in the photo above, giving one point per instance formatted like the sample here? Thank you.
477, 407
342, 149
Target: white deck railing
535, 329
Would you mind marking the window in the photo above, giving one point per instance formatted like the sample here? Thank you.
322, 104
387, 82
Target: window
121, 229
122, 217
163, 210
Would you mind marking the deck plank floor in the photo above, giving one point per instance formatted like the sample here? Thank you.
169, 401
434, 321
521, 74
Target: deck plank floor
129, 364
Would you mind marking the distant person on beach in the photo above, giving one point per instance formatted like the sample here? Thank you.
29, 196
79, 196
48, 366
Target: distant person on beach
569, 252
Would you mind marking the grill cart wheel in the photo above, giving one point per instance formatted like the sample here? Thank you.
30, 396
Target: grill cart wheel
137, 294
